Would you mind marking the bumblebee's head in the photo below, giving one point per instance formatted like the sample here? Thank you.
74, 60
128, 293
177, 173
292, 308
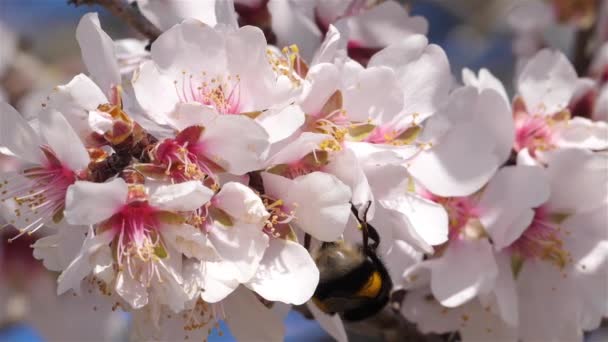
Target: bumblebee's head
351, 283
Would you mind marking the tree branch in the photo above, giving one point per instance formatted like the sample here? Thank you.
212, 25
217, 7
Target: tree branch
130, 14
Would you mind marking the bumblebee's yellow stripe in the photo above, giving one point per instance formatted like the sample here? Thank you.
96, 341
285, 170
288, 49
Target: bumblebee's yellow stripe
371, 287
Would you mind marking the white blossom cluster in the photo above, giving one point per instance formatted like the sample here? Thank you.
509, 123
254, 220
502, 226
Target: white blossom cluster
181, 182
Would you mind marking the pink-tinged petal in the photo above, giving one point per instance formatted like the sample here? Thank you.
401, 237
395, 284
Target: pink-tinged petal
237, 143
75, 99
191, 114
485, 80
17, 135
549, 308
62, 139
394, 225
292, 26
379, 155
587, 244
241, 307
399, 257
322, 81
189, 241
241, 203
505, 291
507, 203
465, 151
246, 56
242, 245
322, 205
181, 197
281, 123
185, 48
345, 166
89, 203
547, 82
423, 72
276, 186
428, 219
155, 93
286, 274
466, 269
298, 148
383, 24
457, 166
333, 47
332, 324
578, 179
583, 133
93, 250
375, 95
165, 14
226, 15
98, 53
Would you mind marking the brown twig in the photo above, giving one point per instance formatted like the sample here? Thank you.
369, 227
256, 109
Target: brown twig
130, 14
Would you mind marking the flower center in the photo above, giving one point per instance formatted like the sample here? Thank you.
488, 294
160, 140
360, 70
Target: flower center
37, 194
532, 132
222, 93
541, 240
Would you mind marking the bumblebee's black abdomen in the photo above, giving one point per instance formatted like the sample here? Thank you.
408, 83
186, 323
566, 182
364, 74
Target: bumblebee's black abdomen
357, 294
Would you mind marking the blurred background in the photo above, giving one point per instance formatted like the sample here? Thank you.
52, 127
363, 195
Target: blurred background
474, 34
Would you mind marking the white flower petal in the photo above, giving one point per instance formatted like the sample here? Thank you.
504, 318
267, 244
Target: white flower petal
547, 82
62, 139
423, 72
428, 219
98, 53
583, 133
184, 48
332, 324
508, 201
485, 80
281, 123
84, 263
155, 93
249, 320
383, 24
189, 241
89, 203
165, 14
322, 205
58, 250
578, 179
185, 196
75, 99
17, 135
242, 203
298, 148
286, 274
237, 143
218, 280
466, 269
291, 26
243, 245
131, 290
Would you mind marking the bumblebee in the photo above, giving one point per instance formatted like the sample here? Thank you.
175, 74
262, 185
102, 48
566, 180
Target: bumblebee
353, 281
